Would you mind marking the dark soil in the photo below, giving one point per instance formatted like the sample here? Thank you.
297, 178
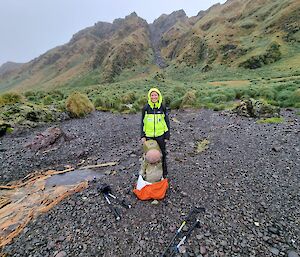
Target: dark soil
248, 181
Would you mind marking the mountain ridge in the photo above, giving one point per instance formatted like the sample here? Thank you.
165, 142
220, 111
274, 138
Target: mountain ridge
238, 33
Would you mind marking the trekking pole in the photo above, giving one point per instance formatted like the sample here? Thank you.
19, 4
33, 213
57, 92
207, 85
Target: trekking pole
122, 202
113, 209
105, 190
196, 224
194, 210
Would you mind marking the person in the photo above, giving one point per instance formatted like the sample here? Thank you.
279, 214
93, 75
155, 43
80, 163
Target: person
155, 124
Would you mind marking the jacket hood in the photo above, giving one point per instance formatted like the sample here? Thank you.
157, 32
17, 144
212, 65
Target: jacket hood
160, 98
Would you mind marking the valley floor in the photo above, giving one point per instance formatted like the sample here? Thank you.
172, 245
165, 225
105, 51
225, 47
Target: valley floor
248, 180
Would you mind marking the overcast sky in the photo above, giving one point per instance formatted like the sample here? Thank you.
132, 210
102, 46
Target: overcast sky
29, 28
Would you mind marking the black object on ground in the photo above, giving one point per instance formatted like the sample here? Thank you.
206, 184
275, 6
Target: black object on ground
107, 192
171, 249
182, 241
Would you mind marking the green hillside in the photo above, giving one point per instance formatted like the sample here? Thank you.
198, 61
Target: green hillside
241, 49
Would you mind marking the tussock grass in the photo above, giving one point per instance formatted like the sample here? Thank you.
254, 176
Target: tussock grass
79, 104
10, 98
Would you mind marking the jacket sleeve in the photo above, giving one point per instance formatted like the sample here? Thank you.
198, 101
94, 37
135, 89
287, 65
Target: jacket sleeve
167, 134
142, 123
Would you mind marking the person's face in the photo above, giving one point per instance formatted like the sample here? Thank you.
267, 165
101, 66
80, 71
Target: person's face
154, 97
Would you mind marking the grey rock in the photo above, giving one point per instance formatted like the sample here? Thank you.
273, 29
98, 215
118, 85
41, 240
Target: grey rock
292, 254
203, 250
61, 254
274, 250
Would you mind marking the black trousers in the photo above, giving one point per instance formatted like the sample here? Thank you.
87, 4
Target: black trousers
162, 144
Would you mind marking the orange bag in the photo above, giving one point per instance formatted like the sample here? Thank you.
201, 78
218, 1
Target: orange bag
156, 191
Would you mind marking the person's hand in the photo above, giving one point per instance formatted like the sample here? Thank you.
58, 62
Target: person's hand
143, 140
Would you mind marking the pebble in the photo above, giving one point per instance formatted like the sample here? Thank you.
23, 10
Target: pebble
61, 254
184, 194
199, 237
182, 249
273, 230
292, 254
196, 250
223, 243
60, 239
274, 250
276, 148
155, 202
203, 249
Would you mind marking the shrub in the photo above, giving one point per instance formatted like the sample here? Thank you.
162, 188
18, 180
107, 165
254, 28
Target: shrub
29, 93
57, 95
296, 98
167, 100
142, 101
35, 96
39, 95
246, 92
189, 99
10, 98
230, 94
98, 102
205, 99
175, 104
60, 106
238, 93
47, 100
179, 90
218, 98
79, 105
128, 98
284, 98
267, 93
219, 107
108, 104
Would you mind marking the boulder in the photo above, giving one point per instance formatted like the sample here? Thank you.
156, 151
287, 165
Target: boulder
46, 139
256, 109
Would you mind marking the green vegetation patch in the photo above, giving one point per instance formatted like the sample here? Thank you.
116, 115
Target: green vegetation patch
78, 104
274, 120
10, 98
271, 55
202, 145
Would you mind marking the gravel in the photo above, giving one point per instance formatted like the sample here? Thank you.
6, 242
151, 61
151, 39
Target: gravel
247, 179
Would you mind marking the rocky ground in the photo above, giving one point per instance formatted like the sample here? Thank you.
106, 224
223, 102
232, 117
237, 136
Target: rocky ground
247, 180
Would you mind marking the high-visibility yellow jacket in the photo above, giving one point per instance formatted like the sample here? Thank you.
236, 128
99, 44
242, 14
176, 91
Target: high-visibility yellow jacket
155, 120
